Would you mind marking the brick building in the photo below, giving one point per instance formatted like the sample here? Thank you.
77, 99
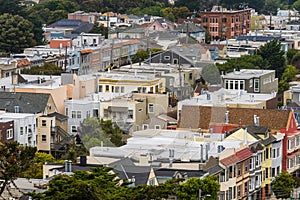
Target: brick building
225, 24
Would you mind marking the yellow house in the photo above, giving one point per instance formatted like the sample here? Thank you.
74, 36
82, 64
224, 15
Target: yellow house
126, 83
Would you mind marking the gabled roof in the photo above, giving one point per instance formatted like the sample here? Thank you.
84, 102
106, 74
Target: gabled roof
203, 116
27, 102
77, 25
237, 157
58, 116
189, 28
126, 169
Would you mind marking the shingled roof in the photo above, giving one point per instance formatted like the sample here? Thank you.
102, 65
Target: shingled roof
238, 157
203, 116
27, 102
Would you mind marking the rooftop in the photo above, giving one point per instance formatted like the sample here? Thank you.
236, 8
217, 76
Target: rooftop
247, 73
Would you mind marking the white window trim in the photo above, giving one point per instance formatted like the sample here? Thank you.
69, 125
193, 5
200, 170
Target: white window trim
9, 133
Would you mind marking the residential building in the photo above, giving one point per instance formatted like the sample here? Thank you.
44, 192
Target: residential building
251, 80
122, 83
52, 135
230, 99
78, 110
23, 130
7, 130
8, 66
189, 29
22, 102
225, 24
84, 17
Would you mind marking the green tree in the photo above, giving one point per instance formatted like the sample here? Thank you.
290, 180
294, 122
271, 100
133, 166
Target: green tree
13, 7
36, 169
95, 133
18, 33
288, 75
46, 69
15, 159
243, 62
211, 74
283, 185
290, 54
82, 185
196, 187
273, 57
140, 56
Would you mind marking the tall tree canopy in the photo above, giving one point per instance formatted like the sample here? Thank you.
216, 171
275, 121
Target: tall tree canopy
283, 185
14, 160
18, 33
273, 56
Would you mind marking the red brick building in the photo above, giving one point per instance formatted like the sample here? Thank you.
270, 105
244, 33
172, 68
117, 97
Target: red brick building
225, 24
6, 131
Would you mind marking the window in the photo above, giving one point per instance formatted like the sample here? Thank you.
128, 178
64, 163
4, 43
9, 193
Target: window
9, 134
145, 126
190, 76
239, 169
79, 114
239, 191
29, 128
267, 153
74, 129
291, 162
246, 166
246, 187
21, 130
157, 127
150, 108
44, 123
230, 193
122, 89
167, 57
267, 173
291, 143
88, 114
106, 88
95, 113
273, 172
256, 85
67, 111
251, 83
130, 114
44, 138
73, 114
100, 88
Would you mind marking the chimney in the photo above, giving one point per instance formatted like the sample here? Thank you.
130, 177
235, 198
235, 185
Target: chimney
201, 153
245, 136
257, 121
70, 165
227, 117
66, 166
171, 157
83, 160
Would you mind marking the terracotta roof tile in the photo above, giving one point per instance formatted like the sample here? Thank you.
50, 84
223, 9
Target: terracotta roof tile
23, 63
237, 157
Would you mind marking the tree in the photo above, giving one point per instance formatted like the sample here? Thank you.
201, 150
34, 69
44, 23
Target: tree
243, 62
18, 33
290, 54
36, 169
140, 56
14, 160
288, 75
210, 73
99, 184
273, 57
96, 133
196, 187
283, 185
13, 7
46, 69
